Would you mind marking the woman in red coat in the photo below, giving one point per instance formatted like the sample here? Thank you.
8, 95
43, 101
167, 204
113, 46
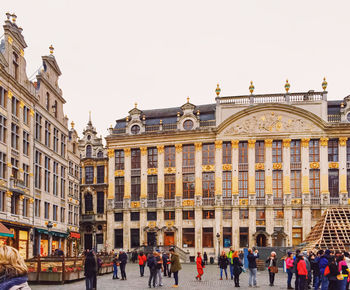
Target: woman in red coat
200, 266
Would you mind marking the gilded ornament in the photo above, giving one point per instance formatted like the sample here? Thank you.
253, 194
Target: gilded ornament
251, 143
296, 201
21, 197
234, 143
152, 171
305, 142
208, 167
110, 153
51, 48
170, 170
178, 148
9, 193
227, 167
333, 165
342, 141
268, 142
21, 104
188, 202
21, 52
127, 152
169, 224
160, 149
143, 150
31, 200
217, 90
314, 165
259, 166
286, 142
243, 202
119, 173
287, 86
135, 204
152, 224
9, 94
218, 144
251, 87
198, 146
324, 141
324, 84
277, 166
10, 40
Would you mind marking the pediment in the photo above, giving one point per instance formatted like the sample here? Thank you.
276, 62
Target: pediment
270, 122
50, 59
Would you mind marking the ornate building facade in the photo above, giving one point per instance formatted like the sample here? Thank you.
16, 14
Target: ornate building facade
35, 146
94, 188
252, 170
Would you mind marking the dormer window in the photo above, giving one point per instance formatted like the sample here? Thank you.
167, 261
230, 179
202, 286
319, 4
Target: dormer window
88, 151
15, 65
135, 129
188, 125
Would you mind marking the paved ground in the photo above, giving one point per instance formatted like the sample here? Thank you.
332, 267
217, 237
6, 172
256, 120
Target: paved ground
186, 280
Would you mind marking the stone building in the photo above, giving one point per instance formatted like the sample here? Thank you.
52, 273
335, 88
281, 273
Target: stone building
33, 151
93, 190
251, 170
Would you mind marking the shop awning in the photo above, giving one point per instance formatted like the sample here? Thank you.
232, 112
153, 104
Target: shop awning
74, 235
53, 233
5, 232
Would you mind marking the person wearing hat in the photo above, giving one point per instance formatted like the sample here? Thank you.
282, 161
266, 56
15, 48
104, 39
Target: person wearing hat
175, 266
152, 265
323, 263
200, 266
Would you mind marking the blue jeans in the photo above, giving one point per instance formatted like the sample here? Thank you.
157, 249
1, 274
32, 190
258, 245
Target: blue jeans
221, 270
252, 276
341, 284
176, 277
325, 282
317, 282
231, 270
290, 276
115, 271
89, 282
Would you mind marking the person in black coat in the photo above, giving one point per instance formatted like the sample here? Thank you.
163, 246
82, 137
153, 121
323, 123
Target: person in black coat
205, 257
123, 258
237, 267
223, 263
165, 258
90, 270
333, 273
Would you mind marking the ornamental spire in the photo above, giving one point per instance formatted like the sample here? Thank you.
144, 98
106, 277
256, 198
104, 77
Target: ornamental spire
218, 90
51, 48
324, 84
251, 87
287, 86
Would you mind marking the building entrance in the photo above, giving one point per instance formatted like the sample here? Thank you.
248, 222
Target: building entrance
261, 240
169, 238
151, 239
88, 241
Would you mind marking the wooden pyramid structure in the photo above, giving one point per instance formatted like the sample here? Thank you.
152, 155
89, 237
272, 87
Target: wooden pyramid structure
332, 231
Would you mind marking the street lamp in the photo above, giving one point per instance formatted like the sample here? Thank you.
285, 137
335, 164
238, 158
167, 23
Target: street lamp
49, 227
218, 239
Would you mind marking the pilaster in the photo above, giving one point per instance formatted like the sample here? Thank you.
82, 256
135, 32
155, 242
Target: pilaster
127, 174
143, 172
286, 166
218, 167
268, 170
288, 224
160, 150
126, 230
218, 230
342, 168
251, 173
198, 229
111, 166
234, 146
178, 164
252, 226
178, 225
143, 224
305, 166
269, 224
306, 212
198, 169
235, 228
110, 230
324, 170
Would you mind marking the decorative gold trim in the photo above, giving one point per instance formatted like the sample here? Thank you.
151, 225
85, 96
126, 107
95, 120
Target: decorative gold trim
152, 171
9, 94
21, 104
218, 144
243, 201
342, 141
110, 153
160, 149
118, 173
143, 150
178, 148
31, 174
314, 165
9, 164
152, 224
198, 146
251, 143
170, 170
169, 224
296, 201
9, 193
259, 166
305, 142
21, 197
10, 40
206, 168
135, 204
21, 52
260, 223
227, 167
234, 143
286, 143
20, 170
268, 142
324, 141
127, 152
188, 202
31, 111
31, 200
333, 165
277, 166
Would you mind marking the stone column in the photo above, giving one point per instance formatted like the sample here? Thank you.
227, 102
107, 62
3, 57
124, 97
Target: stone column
288, 224
235, 227
127, 173
126, 230
160, 224
325, 198
160, 197
218, 230
343, 192
268, 190
95, 167
286, 168
110, 230
306, 210
198, 218
178, 225
251, 192
143, 224
178, 164
252, 226
198, 169
218, 172
143, 173
235, 198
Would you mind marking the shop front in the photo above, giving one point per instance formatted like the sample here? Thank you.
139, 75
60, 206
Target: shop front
45, 238
73, 243
5, 234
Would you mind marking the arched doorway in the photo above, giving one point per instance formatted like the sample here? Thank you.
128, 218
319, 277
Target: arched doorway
152, 238
261, 240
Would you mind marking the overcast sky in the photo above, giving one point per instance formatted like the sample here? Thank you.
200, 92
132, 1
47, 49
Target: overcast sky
156, 53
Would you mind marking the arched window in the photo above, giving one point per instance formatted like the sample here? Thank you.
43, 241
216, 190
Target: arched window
88, 151
100, 154
88, 202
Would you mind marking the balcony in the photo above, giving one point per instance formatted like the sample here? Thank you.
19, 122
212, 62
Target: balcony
87, 218
151, 203
334, 200
208, 201
118, 204
278, 200
260, 201
169, 202
17, 183
227, 200
315, 200
334, 118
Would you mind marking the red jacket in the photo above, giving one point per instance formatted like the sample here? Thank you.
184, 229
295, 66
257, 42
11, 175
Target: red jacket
142, 260
301, 267
199, 263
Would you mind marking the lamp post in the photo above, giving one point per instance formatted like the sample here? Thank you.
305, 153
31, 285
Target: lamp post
218, 239
49, 227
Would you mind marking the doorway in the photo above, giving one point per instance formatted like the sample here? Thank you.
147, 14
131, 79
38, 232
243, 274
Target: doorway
88, 241
151, 239
261, 240
169, 239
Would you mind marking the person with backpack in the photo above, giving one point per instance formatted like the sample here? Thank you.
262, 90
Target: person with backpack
323, 263
175, 266
200, 266
142, 262
344, 272
237, 268
223, 263
331, 272
295, 271
152, 265
252, 266
159, 268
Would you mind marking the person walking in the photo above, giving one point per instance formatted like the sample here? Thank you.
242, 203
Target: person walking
115, 267
159, 268
123, 258
200, 266
272, 267
175, 266
165, 258
302, 273
142, 262
237, 268
152, 265
223, 263
205, 256
252, 256
230, 259
289, 266
90, 270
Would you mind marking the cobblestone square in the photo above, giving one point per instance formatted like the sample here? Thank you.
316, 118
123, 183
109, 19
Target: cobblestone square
186, 280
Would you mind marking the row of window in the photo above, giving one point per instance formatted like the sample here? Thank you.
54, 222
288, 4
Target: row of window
89, 207
208, 154
89, 174
17, 206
